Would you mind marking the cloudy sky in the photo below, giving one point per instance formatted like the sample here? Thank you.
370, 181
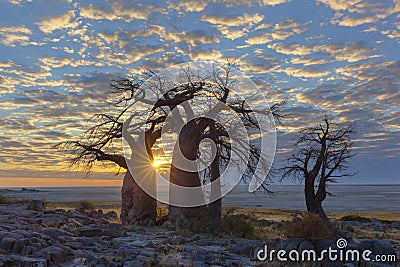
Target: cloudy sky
339, 57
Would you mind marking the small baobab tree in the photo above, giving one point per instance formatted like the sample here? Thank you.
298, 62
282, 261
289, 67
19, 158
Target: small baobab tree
320, 156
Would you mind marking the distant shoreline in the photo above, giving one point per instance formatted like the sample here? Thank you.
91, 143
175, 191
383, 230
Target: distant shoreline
114, 186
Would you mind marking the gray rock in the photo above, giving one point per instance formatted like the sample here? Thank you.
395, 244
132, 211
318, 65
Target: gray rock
395, 225
20, 244
245, 247
196, 237
112, 264
111, 215
305, 245
54, 233
53, 220
114, 230
36, 205
380, 247
55, 254
16, 260
90, 230
323, 244
7, 243
291, 244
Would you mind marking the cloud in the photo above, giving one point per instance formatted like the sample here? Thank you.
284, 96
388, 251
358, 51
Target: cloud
281, 31
306, 73
210, 54
339, 5
193, 38
51, 62
191, 5
251, 3
19, 2
231, 20
391, 34
351, 52
308, 61
13, 35
353, 22
371, 29
59, 22
291, 49
115, 12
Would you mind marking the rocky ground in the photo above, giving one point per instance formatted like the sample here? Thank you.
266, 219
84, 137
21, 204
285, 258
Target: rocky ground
35, 236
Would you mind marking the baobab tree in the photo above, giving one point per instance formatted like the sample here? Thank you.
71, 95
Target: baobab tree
321, 155
180, 98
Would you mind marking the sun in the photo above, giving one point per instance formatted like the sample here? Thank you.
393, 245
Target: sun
156, 164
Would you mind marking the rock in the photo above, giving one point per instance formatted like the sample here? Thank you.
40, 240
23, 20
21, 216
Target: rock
54, 233
244, 248
305, 245
380, 247
291, 244
396, 225
347, 235
54, 254
53, 220
364, 245
7, 243
36, 205
20, 244
111, 215
177, 240
196, 237
112, 264
323, 244
114, 230
90, 230
16, 260
2, 234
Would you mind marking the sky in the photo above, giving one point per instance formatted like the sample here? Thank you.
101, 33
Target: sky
336, 57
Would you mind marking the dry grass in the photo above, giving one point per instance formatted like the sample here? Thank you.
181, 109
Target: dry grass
274, 214
310, 226
379, 214
7, 200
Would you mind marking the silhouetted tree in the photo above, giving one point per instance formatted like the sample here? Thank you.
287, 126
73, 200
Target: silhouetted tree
321, 155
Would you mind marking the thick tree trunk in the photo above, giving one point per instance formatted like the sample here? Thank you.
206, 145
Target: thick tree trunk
215, 207
310, 195
137, 206
186, 217
193, 218
313, 200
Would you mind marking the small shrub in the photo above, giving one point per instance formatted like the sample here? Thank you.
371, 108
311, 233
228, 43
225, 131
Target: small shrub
311, 226
86, 205
355, 218
238, 226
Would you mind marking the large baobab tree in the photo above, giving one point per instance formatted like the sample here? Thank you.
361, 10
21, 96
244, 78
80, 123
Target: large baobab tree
180, 98
321, 155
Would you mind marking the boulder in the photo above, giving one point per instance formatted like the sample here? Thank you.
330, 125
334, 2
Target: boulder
111, 215
54, 233
36, 205
90, 230
305, 245
380, 247
7, 243
55, 254
246, 247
